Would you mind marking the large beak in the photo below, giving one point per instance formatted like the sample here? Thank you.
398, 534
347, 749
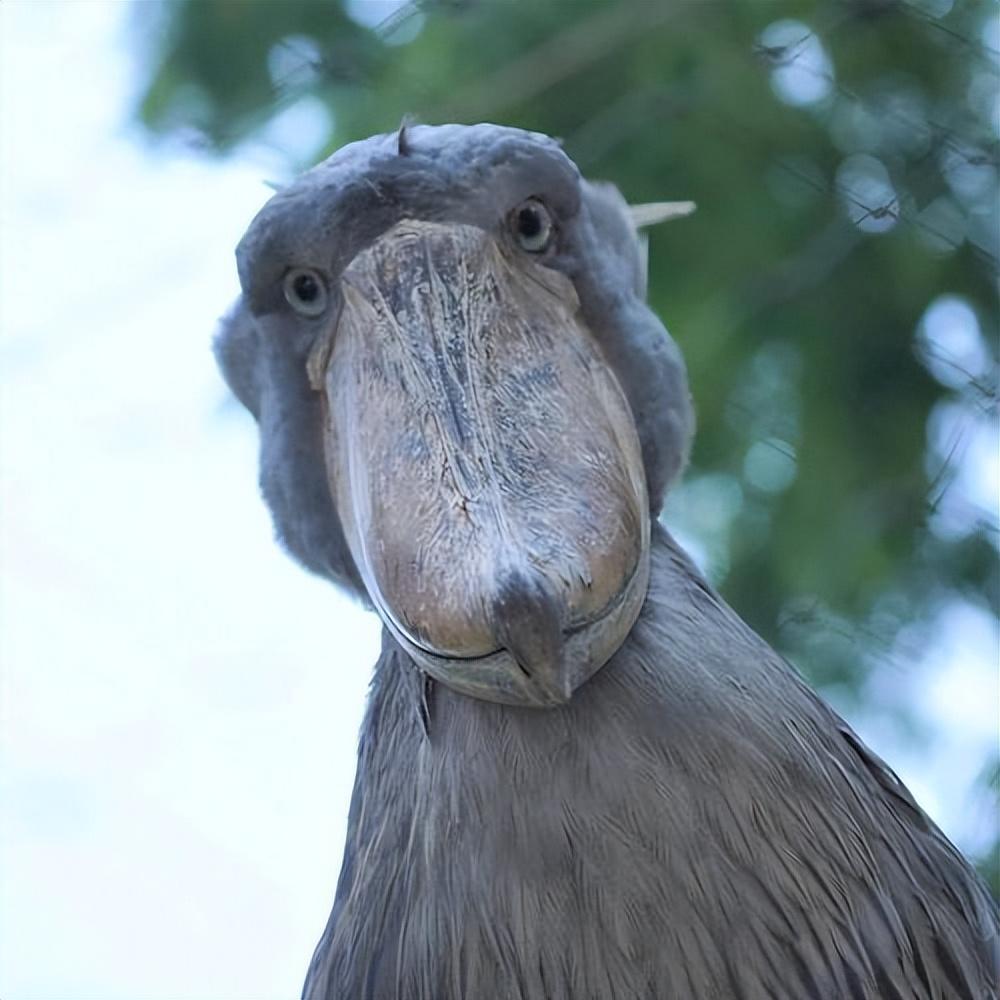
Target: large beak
484, 463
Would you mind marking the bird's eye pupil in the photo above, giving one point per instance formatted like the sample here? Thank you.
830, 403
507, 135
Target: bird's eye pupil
529, 222
305, 292
531, 225
306, 288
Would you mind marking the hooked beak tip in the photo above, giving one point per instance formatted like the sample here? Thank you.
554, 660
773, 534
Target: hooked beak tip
528, 621
549, 680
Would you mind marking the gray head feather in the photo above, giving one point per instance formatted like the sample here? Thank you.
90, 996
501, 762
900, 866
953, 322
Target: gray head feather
466, 174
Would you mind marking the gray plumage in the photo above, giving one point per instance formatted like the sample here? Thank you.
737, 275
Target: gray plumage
694, 823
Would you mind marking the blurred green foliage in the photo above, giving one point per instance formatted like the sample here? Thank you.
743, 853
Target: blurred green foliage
844, 158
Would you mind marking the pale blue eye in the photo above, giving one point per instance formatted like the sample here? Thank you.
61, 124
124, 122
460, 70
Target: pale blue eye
305, 291
532, 226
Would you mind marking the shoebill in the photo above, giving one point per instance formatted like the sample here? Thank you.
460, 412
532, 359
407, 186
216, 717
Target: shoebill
581, 776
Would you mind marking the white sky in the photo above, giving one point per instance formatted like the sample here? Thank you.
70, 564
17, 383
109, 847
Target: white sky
180, 702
